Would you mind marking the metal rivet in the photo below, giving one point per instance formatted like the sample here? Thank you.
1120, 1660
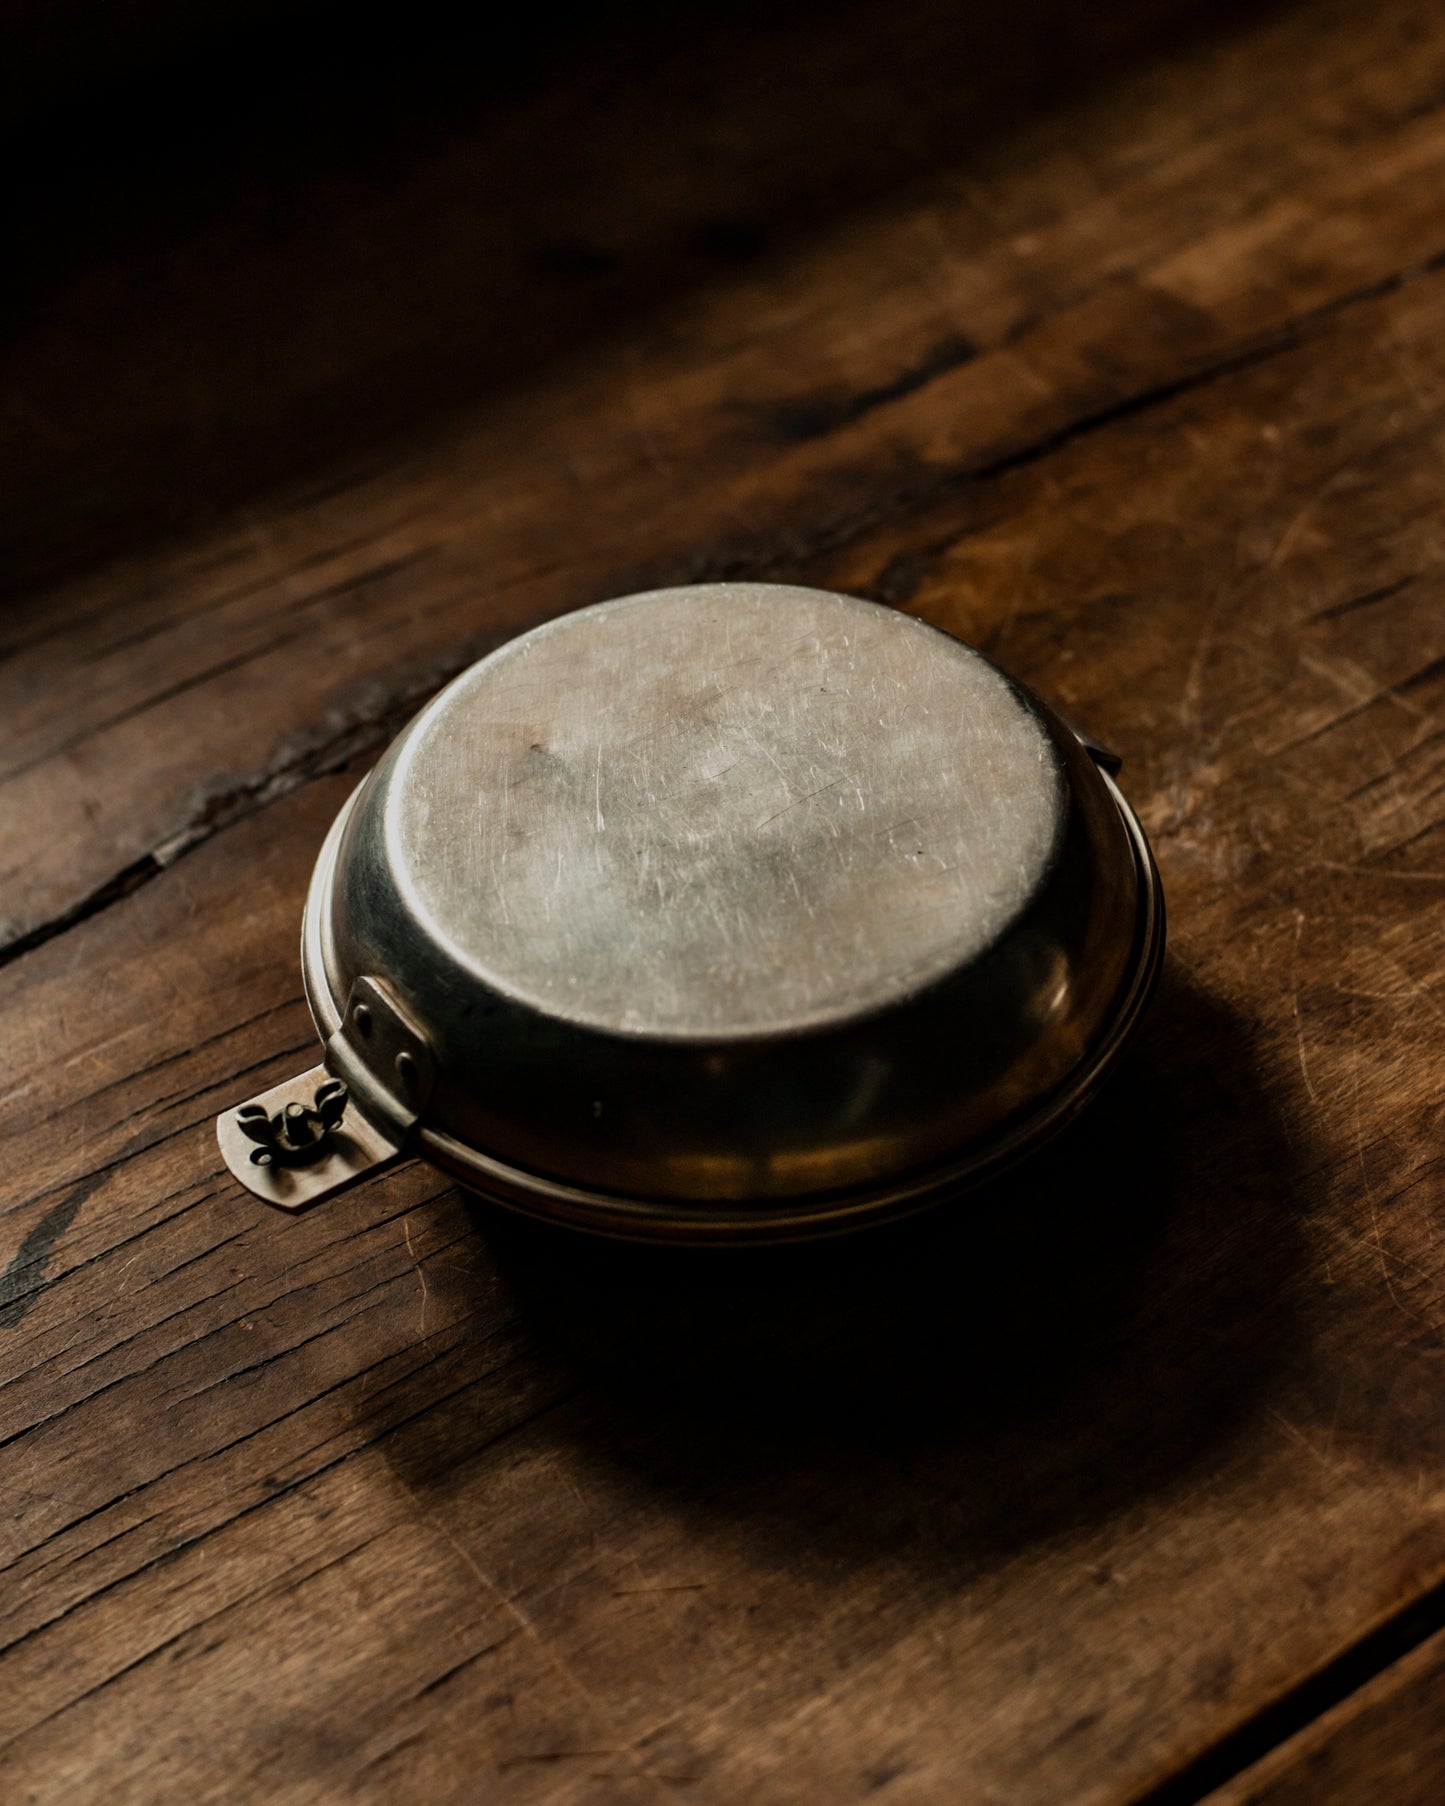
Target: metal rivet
406, 1068
361, 1016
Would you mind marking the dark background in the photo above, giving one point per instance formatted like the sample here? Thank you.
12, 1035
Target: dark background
243, 241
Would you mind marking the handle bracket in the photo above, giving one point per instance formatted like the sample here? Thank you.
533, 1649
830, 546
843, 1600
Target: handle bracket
293, 1147
324, 1131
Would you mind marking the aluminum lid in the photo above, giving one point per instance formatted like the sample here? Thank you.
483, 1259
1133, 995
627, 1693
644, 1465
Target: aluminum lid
724, 911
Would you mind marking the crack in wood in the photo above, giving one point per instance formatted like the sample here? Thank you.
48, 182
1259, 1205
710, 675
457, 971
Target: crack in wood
24, 1277
1303, 1704
799, 421
731, 559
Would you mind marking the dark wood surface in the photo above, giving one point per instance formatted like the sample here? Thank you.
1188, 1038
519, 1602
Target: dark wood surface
1119, 350
1384, 1742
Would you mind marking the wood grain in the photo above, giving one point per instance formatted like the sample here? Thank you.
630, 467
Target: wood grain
1387, 1742
1156, 234
1075, 1496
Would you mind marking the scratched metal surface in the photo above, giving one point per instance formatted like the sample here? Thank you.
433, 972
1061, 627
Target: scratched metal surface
738, 808
732, 892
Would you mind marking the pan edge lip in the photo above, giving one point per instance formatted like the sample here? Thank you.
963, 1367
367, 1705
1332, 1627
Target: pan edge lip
808, 1216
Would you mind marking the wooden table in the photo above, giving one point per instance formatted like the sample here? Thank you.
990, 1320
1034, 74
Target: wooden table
1117, 348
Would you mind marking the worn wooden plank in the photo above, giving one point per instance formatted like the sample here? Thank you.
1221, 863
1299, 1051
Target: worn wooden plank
1177, 219
1386, 1742
1046, 1503
223, 284
1035, 1506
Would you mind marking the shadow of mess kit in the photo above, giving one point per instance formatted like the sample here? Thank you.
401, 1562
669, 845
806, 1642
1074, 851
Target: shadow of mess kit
1027, 1356
703, 873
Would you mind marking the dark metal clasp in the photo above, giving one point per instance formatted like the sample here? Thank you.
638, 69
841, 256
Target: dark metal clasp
298, 1133
325, 1130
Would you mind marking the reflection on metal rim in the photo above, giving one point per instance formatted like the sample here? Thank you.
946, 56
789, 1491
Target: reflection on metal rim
793, 1219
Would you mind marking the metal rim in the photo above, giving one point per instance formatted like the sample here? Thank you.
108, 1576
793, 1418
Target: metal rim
643, 1219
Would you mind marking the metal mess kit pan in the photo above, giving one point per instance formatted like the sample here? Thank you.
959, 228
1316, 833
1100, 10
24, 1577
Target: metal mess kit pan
724, 913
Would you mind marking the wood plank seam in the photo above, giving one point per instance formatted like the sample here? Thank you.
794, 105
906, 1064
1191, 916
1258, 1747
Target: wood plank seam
1098, 1603
733, 560
1352, 1669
